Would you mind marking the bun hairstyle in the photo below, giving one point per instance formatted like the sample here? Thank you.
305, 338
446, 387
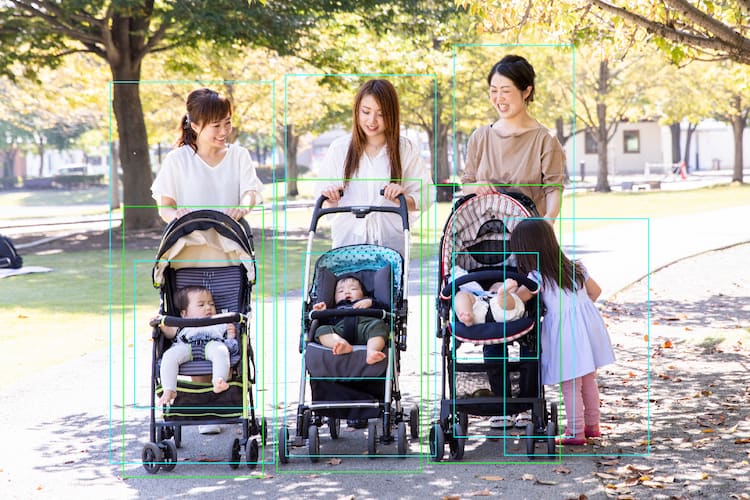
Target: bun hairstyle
518, 70
203, 106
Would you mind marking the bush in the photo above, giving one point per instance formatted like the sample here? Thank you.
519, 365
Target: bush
9, 182
77, 181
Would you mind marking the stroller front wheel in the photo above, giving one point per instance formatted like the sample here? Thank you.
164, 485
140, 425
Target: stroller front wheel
437, 442
283, 445
169, 454
151, 456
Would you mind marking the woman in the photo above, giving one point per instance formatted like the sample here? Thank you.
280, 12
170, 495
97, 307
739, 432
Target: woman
372, 158
515, 152
205, 172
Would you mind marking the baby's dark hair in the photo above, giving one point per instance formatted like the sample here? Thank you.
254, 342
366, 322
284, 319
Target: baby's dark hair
182, 297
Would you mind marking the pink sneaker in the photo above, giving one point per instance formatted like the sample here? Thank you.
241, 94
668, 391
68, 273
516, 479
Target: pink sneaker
592, 431
571, 440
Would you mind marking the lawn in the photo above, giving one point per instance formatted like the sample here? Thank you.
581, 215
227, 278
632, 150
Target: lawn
68, 310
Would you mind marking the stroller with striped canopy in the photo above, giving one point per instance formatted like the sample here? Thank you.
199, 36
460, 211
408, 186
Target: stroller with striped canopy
487, 382
209, 249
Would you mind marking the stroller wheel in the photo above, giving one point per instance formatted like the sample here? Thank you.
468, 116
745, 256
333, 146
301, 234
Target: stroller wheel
551, 433
334, 425
372, 439
457, 442
234, 454
264, 431
283, 444
178, 436
252, 454
306, 421
151, 456
414, 422
554, 415
313, 443
463, 419
530, 440
169, 452
401, 443
437, 442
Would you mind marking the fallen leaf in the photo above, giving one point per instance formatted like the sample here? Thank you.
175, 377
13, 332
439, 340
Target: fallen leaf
667, 344
561, 470
334, 461
707, 430
480, 493
528, 477
645, 337
705, 476
742, 441
546, 483
641, 469
652, 484
492, 478
606, 476
664, 479
451, 497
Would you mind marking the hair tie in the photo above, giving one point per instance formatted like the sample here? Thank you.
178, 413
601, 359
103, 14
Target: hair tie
187, 121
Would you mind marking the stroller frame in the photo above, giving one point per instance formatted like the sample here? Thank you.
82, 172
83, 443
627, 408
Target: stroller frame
452, 424
166, 436
310, 416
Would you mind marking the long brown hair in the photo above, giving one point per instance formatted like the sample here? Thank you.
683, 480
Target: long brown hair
385, 94
203, 106
534, 244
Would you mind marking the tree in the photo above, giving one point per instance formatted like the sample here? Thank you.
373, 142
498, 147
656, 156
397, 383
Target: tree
38, 33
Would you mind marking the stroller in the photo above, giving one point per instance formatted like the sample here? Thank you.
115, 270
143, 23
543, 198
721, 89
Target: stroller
345, 387
210, 249
492, 383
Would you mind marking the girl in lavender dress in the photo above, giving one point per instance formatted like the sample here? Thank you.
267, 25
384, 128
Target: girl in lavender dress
574, 338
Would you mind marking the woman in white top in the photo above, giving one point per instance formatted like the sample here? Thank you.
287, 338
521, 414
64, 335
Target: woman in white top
372, 158
204, 172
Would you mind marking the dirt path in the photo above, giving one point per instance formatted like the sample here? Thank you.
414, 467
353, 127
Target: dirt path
696, 429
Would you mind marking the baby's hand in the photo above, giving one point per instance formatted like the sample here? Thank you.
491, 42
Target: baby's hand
231, 331
362, 304
319, 306
511, 285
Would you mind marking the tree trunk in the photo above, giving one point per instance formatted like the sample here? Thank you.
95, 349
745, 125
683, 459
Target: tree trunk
40, 152
290, 151
688, 141
602, 181
139, 210
739, 122
114, 177
675, 130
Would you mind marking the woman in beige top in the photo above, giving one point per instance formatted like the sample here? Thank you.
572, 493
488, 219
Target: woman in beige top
515, 152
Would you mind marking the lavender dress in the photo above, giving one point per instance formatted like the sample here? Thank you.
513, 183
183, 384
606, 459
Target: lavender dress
574, 338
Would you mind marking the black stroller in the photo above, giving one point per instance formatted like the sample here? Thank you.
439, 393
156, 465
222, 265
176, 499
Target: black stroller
345, 387
475, 239
210, 249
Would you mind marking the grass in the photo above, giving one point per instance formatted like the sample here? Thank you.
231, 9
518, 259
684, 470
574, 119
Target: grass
67, 310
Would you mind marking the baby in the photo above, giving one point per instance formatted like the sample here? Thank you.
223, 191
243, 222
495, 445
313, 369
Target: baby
195, 302
370, 331
471, 302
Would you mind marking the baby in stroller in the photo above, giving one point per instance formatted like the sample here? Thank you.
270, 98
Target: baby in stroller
472, 302
215, 340
337, 334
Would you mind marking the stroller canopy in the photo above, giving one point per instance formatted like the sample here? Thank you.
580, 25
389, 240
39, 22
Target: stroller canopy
477, 232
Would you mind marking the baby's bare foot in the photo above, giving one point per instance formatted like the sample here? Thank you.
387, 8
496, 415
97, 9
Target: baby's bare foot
342, 347
167, 397
220, 385
374, 356
466, 318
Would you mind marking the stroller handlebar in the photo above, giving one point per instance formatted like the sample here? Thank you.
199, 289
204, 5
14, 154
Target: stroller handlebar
369, 312
494, 275
216, 319
360, 211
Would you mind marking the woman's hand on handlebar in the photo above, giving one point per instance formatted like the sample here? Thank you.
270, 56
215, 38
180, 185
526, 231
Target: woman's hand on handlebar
392, 190
333, 193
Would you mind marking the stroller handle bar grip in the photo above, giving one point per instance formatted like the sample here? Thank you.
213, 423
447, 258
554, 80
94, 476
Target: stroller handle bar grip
369, 312
495, 275
216, 319
360, 211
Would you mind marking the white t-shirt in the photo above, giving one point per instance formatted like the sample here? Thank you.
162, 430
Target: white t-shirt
192, 183
364, 189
